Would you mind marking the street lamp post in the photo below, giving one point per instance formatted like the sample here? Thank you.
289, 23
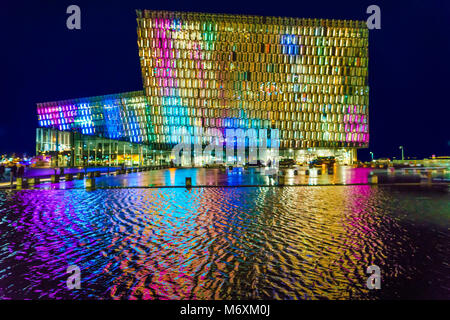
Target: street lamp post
371, 154
403, 156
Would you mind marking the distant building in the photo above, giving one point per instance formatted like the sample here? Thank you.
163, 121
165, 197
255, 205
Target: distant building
306, 77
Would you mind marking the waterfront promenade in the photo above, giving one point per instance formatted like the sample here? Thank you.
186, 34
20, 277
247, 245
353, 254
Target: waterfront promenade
208, 177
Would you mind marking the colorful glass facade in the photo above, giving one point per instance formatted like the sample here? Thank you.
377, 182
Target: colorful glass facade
122, 116
306, 77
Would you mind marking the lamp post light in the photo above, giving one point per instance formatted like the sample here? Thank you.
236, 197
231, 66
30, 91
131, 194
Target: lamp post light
403, 155
371, 154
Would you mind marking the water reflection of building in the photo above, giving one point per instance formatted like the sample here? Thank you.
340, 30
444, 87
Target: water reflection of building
305, 77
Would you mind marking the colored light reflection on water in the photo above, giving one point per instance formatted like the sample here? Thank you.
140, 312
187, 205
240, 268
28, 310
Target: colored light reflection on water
217, 177
225, 243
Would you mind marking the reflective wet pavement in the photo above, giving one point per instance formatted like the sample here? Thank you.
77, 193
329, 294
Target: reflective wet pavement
306, 242
251, 177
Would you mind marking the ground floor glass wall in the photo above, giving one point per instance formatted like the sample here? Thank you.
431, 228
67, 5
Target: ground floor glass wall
74, 149
68, 149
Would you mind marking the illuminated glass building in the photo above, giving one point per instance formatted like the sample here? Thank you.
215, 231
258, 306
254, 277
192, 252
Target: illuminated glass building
306, 77
102, 130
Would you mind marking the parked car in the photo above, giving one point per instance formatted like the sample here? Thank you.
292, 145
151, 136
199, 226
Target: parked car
286, 163
258, 164
319, 161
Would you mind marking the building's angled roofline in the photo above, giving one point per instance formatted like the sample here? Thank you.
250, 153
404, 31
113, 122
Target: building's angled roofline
278, 19
97, 97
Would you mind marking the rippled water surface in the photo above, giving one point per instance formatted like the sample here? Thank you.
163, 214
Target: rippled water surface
215, 177
226, 243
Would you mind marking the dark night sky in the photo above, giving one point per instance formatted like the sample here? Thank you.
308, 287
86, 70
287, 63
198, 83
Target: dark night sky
41, 60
